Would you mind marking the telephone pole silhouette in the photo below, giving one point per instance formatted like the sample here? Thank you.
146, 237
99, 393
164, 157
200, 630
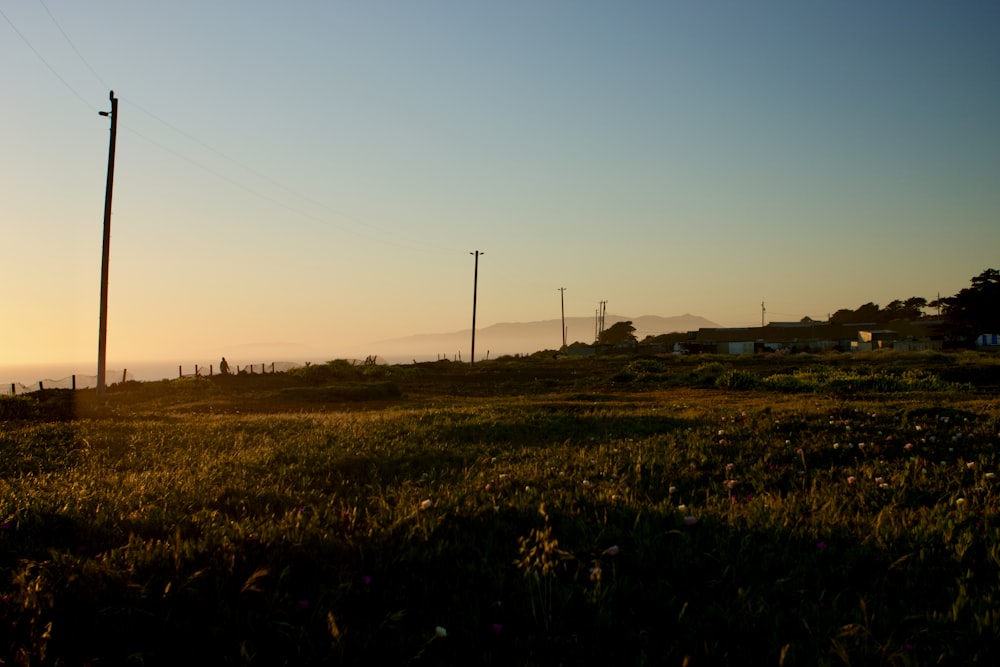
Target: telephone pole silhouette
102, 335
562, 301
475, 289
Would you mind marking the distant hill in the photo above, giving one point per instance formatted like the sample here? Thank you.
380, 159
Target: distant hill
522, 337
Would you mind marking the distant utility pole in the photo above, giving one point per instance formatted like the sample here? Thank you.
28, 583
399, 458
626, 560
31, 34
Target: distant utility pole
762, 311
475, 289
102, 335
599, 323
562, 301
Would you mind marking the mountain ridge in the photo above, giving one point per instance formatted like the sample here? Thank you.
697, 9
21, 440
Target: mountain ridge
505, 338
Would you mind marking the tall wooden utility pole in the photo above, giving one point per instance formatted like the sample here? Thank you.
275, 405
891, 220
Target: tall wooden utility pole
762, 311
102, 335
562, 301
475, 289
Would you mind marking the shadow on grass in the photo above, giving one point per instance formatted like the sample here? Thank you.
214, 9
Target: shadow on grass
666, 591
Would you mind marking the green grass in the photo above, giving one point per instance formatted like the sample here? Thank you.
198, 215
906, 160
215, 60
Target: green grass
519, 512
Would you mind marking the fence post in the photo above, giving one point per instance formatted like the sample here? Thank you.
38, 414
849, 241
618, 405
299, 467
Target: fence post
272, 368
211, 370
124, 375
74, 381
13, 389
196, 371
40, 387
180, 373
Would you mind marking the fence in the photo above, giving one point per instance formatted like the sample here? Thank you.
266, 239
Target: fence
209, 370
74, 382
77, 381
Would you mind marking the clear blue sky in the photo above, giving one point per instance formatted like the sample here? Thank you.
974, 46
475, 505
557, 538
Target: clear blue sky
317, 173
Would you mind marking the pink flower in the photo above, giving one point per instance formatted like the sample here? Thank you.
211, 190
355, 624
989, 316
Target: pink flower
612, 550
852, 479
690, 520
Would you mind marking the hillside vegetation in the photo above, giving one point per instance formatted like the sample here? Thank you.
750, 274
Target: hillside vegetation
807, 510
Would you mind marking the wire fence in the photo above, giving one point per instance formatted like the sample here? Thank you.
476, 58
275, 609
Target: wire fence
74, 382
78, 381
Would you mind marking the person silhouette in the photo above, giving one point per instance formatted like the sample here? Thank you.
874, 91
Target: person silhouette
224, 366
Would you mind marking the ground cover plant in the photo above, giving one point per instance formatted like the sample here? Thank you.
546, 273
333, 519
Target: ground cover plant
532, 511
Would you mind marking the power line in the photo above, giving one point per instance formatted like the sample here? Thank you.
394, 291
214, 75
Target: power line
349, 223
72, 45
46, 62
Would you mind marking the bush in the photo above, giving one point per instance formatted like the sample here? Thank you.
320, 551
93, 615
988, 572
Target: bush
734, 379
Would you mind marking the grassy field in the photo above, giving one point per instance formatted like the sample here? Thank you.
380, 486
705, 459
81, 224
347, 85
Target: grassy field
803, 510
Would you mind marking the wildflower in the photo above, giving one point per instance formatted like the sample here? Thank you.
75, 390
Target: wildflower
960, 501
612, 550
682, 507
880, 480
852, 479
672, 489
729, 467
836, 445
970, 465
908, 446
990, 475
439, 631
690, 520
426, 504
488, 487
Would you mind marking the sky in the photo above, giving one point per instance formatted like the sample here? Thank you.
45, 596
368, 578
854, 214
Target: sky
311, 177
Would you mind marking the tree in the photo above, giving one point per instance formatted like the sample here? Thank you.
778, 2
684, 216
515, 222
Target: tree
975, 310
618, 333
911, 309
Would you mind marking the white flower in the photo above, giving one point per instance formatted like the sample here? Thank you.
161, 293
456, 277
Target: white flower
439, 631
426, 504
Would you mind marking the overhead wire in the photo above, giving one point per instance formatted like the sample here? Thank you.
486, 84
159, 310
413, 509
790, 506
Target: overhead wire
72, 45
46, 62
362, 229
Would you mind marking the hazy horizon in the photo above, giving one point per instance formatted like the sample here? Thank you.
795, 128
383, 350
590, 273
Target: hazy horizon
387, 350
319, 173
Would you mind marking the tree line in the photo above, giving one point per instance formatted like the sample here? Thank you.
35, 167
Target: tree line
965, 316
